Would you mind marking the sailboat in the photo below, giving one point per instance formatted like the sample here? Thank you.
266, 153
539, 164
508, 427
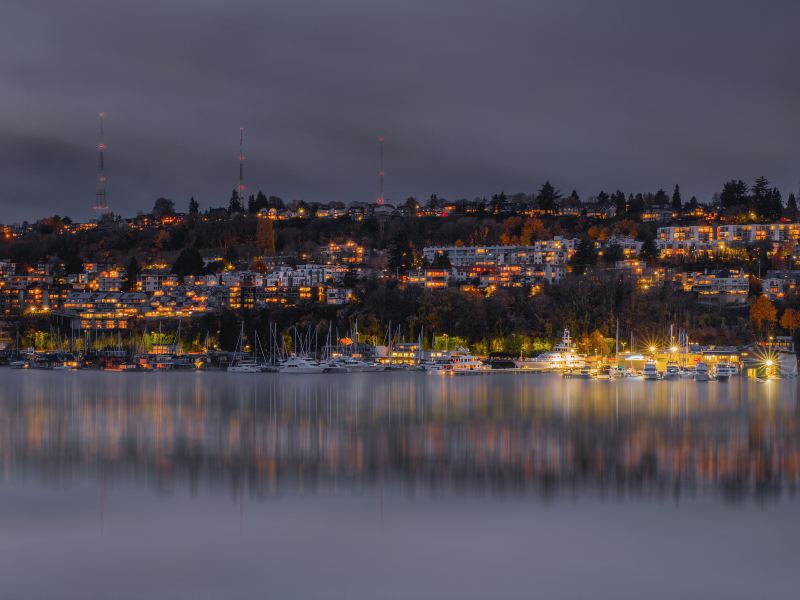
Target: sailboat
241, 364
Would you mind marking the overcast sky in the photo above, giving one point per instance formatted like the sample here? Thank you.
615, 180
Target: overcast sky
473, 97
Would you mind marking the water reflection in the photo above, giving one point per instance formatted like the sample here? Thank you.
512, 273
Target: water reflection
261, 434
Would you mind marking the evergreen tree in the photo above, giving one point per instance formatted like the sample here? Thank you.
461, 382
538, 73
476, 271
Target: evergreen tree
548, 198
693, 204
403, 255
584, 257
620, 204
677, 204
761, 198
791, 207
649, 251
734, 193
194, 207
251, 205
661, 199
189, 262
760, 188
636, 205
261, 201
132, 271
275, 202
613, 253
235, 204
774, 204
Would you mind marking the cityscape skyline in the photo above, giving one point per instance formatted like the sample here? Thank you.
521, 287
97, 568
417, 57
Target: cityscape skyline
637, 96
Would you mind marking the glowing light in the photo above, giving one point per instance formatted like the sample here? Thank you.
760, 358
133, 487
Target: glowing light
673, 349
769, 362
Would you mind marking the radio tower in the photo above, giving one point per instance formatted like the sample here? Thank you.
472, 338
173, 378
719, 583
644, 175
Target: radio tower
380, 172
241, 187
100, 204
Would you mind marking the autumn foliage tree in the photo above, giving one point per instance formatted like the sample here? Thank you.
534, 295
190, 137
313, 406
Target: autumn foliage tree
265, 237
763, 314
790, 320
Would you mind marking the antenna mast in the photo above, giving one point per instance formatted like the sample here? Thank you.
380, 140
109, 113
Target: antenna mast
241, 187
100, 204
380, 172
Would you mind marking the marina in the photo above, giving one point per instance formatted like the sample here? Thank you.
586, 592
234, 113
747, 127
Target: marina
761, 362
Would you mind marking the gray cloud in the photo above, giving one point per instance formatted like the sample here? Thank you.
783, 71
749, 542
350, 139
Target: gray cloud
473, 97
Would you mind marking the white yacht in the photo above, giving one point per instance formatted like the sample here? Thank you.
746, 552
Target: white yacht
701, 372
245, 366
462, 362
355, 365
650, 371
331, 366
672, 371
688, 372
563, 356
296, 365
433, 366
723, 371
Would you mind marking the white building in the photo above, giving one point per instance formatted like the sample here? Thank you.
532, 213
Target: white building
556, 251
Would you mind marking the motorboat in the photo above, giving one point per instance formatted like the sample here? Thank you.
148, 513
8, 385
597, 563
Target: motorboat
563, 356
688, 372
433, 366
332, 366
66, 366
462, 362
723, 371
672, 371
355, 365
650, 371
584, 373
245, 366
617, 372
701, 372
297, 365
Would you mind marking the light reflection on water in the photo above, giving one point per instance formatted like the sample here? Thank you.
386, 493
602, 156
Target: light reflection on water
260, 435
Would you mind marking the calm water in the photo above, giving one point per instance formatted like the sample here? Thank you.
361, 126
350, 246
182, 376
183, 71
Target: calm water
216, 485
